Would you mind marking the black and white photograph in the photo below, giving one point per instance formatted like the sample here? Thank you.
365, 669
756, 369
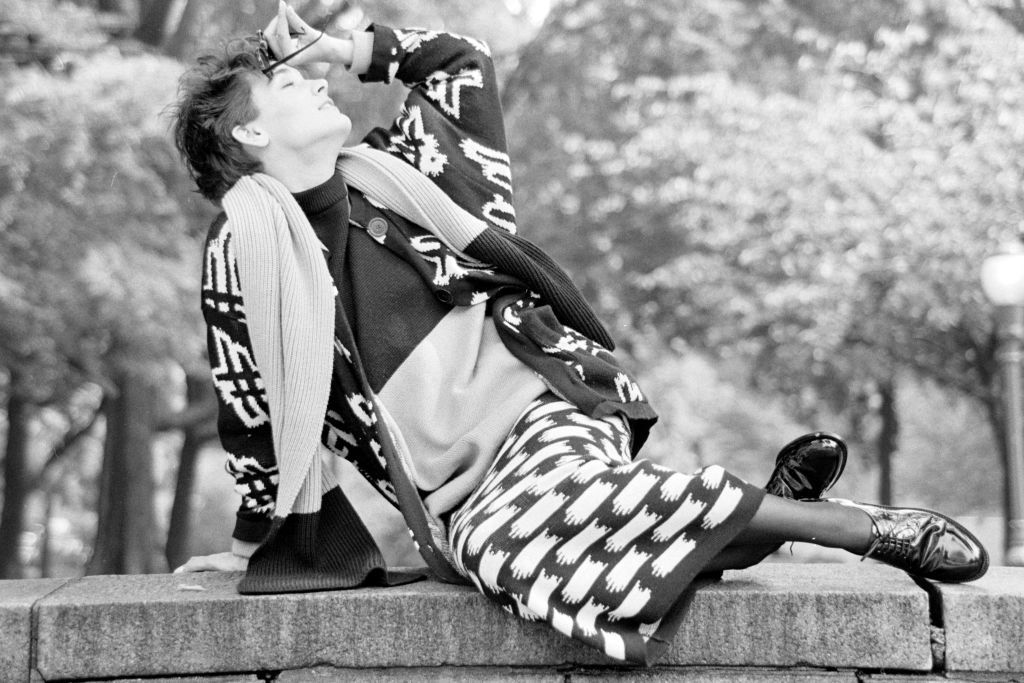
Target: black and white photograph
512, 340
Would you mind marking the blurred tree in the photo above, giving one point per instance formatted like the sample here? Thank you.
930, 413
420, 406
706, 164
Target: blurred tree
154, 17
126, 541
945, 103
198, 426
98, 266
809, 186
15, 485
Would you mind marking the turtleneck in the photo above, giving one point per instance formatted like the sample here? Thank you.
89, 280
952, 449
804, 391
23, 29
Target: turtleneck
323, 196
327, 208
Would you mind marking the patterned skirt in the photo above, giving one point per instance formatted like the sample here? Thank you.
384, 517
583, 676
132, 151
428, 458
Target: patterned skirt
565, 528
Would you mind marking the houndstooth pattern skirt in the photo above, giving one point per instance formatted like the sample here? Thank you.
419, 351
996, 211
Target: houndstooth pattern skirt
567, 529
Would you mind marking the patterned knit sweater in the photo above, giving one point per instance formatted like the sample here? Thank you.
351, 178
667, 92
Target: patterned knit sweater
398, 284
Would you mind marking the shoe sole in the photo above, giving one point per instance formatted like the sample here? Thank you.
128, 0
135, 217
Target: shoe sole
806, 438
974, 577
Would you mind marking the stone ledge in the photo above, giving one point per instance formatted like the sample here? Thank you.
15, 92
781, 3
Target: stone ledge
821, 615
984, 622
657, 674
16, 601
774, 615
820, 618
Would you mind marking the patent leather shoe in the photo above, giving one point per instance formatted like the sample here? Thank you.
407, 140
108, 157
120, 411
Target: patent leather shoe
808, 466
923, 543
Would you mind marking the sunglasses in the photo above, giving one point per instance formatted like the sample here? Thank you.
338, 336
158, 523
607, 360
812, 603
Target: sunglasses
265, 57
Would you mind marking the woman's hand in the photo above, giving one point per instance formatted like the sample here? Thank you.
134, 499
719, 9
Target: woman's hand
287, 32
218, 562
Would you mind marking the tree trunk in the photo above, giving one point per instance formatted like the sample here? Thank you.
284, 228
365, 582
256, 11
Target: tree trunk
125, 537
997, 419
153, 17
114, 6
178, 43
888, 440
46, 544
12, 515
179, 529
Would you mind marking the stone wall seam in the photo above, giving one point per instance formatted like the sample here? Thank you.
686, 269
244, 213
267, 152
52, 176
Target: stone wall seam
936, 627
33, 620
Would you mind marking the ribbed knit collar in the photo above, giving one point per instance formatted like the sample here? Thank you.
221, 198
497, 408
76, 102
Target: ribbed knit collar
327, 208
323, 196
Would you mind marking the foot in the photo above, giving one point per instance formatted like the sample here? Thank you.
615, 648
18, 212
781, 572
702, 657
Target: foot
805, 468
808, 466
923, 543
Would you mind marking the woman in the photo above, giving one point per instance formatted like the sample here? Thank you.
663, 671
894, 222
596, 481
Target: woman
375, 303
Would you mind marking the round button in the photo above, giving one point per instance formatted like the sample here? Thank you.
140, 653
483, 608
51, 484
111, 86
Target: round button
444, 296
377, 227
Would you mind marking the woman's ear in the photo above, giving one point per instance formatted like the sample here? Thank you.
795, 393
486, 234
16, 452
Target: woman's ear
250, 134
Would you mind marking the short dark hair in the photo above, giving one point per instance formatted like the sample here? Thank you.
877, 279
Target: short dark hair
214, 96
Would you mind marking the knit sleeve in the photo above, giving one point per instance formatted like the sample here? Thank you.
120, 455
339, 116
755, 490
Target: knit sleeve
242, 422
451, 127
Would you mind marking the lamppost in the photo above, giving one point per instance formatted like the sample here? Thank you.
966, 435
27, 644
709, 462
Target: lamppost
1002, 278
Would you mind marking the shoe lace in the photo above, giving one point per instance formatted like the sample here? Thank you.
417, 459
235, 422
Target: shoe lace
889, 546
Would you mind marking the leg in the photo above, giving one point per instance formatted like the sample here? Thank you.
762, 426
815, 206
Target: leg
924, 543
738, 557
780, 520
805, 469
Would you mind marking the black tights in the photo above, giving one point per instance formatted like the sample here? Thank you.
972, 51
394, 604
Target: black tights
779, 520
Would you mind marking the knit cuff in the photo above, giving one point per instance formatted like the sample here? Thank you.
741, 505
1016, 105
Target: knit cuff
362, 52
385, 56
250, 527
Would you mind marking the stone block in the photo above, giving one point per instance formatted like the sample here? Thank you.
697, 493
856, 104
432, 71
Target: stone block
161, 625
984, 622
814, 615
440, 674
16, 601
703, 674
771, 616
903, 678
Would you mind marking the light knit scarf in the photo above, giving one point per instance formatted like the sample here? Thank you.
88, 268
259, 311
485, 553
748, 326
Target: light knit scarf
289, 300
400, 187
289, 308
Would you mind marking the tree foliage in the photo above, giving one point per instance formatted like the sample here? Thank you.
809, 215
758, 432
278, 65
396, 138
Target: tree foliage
808, 186
97, 264
730, 211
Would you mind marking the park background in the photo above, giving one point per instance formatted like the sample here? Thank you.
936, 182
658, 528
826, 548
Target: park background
779, 207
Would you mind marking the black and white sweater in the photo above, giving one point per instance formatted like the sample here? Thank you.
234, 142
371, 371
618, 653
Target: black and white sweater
415, 314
